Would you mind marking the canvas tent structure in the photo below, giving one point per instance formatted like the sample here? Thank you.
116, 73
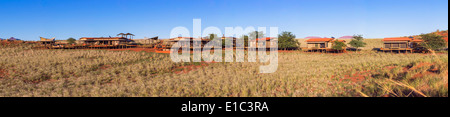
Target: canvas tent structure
104, 40
185, 42
52, 43
13, 39
45, 41
401, 44
152, 40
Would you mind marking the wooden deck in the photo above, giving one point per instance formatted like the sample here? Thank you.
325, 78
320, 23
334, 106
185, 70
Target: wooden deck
397, 50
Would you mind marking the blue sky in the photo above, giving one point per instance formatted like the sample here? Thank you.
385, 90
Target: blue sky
29, 19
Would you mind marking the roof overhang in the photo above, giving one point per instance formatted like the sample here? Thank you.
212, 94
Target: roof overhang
396, 41
320, 40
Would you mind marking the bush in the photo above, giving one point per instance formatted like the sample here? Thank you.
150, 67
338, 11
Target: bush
357, 42
286, 40
337, 45
432, 41
71, 40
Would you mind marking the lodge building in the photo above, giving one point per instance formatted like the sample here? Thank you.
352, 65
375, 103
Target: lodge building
104, 40
321, 44
402, 44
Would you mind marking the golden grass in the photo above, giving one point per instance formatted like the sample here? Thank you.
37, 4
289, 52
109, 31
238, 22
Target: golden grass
80, 73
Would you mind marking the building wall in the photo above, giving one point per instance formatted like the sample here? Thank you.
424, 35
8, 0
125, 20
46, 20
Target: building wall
145, 41
313, 45
397, 45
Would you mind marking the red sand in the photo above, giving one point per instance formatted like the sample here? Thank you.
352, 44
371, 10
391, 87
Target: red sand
103, 67
3, 73
361, 76
164, 52
420, 65
355, 78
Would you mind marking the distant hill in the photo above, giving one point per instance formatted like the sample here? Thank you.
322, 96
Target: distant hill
312, 37
346, 37
443, 33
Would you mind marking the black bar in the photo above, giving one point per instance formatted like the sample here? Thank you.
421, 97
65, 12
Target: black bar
173, 105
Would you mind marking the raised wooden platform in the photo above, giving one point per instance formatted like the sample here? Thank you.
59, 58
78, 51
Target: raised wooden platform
397, 50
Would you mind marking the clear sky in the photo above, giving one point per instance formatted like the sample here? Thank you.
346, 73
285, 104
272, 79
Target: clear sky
29, 19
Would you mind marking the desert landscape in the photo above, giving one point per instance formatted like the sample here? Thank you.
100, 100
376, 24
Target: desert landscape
225, 48
138, 72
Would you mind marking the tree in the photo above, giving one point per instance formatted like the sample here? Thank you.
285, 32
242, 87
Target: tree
245, 44
338, 45
215, 42
253, 36
245, 37
71, 40
286, 40
432, 42
357, 42
256, 34
212, 36
230, 42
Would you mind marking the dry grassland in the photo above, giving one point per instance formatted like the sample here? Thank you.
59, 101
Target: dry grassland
81, 73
